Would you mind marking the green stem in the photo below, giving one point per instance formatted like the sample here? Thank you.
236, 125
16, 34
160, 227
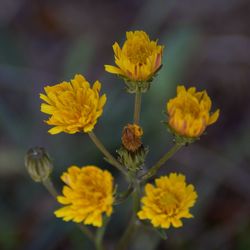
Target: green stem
87, 232
100, 234
136, 196
122, 245
130, 230
120, 198
153, 170
48, 184
137, 107
111, 159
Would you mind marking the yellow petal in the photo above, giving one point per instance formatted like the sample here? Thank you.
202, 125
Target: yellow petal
102, 101
113, 69
117, 50
47, 109
63, 200
55, 130
191, 90
214, 117
180, 89
97, 86
45, 98
176, 222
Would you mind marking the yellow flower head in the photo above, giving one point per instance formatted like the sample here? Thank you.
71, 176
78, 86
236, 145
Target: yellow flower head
74, 106
87, 194
138, 59
189, 112
167, 202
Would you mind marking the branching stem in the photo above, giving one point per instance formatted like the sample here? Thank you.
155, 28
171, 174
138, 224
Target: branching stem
154, 169
111, 159
131, 228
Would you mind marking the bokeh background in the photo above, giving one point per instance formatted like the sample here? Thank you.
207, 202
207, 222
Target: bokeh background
207, 44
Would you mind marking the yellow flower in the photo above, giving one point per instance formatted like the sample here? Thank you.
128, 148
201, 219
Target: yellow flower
189, 112
138, 59
74, 106
87, 194
168, 202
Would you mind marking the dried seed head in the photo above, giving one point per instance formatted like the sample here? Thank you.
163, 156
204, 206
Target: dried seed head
131, 137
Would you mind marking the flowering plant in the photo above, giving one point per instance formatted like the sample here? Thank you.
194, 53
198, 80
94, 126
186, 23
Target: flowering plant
89, 194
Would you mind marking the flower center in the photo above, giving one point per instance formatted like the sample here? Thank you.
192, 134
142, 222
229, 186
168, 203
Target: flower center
168, 202
188, 106
138, 50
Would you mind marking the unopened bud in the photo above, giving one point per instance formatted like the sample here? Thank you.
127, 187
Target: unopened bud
131, 137
38, 164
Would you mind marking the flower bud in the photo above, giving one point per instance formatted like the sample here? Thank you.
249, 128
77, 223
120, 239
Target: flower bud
134, 161
132, 154
38, 164
131, 137
189, 113
137, 61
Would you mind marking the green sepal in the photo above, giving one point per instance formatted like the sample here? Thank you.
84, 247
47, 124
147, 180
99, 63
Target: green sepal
133, 161
162, 232
115, 190
141, 86
180, 139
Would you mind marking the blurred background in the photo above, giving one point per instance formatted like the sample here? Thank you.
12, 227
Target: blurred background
207, 44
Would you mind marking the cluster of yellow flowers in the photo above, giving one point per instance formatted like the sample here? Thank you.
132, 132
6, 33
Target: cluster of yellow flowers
75, 106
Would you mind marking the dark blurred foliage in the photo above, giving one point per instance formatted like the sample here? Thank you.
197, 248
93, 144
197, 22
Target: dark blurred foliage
207, 45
